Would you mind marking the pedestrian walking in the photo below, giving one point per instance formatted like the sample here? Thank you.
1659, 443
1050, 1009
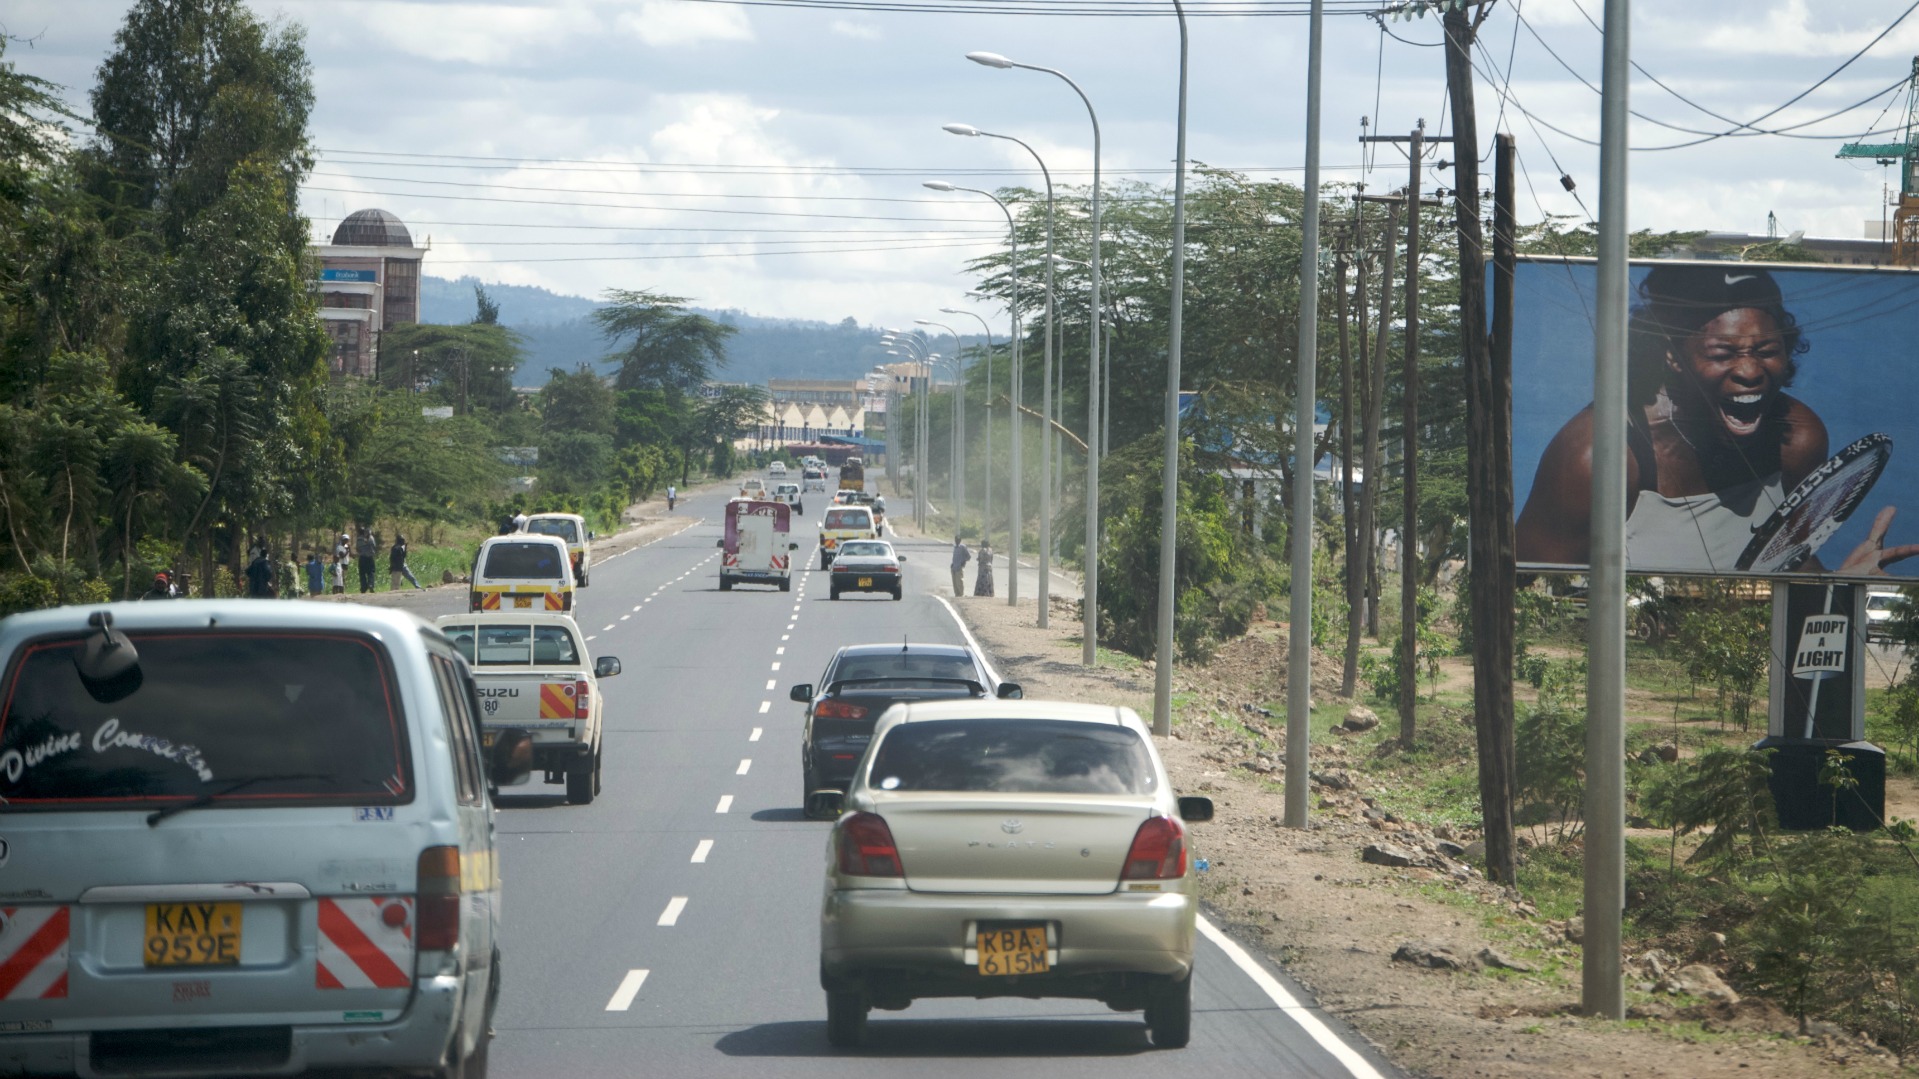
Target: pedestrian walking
162, 588
368, 550
288, 574
983, 581
316, 575
519, 520
342, 551
396, 565
960, 557
672, 495
259, 574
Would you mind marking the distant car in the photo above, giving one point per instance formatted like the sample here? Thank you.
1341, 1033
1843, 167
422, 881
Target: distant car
790, 494
753, 487
1881, 610
813, 479
777, 468
867, 566
863, 680
1010, 849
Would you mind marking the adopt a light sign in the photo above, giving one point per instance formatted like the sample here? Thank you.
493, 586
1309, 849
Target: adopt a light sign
1821, 649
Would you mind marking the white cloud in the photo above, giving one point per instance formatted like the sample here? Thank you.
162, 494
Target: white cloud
661, 23
858, 31
476, 33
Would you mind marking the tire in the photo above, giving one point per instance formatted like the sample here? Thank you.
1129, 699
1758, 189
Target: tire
845, 1018
1645, 627
726, 584
835, 593
898, 593
786, 584
596, 771
581, 786
806, 791
1169, 1014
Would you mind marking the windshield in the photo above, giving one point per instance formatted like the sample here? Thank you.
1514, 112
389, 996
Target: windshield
849, 518
865, 550
492, 646
524, 561
1014, 756
1880, 602
267, 717
555, 526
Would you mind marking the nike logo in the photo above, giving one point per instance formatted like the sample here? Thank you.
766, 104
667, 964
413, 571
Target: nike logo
1734, 279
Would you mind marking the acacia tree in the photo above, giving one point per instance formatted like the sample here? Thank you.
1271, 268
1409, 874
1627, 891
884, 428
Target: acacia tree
658, 343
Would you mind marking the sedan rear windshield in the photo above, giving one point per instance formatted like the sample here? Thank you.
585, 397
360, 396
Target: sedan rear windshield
236, 718
849, 518
906, 666
555, 526
865, 550
1013, 756
522, 561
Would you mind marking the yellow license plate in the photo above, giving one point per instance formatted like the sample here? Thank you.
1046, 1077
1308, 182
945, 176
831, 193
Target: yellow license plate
866, 582
1020, 949
522, 601
193, 934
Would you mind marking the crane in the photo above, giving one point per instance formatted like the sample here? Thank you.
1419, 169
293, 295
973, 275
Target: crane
1905, 219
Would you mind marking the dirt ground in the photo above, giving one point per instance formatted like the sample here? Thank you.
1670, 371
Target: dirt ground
1336, 922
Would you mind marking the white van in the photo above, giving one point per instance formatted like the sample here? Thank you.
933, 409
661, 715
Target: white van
570, 527
245, 838
755, 548
522, 572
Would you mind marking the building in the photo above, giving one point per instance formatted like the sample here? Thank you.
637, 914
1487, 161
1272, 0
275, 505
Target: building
816, 391
369, 283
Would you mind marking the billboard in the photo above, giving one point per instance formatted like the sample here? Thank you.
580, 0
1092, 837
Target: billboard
1772, 418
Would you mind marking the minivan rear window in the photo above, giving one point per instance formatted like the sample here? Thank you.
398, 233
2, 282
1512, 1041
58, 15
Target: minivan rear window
236, 718
522, 561
555, 526
849, 517
1015, 756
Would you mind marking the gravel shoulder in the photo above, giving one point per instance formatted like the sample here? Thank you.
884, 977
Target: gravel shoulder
1450, 1005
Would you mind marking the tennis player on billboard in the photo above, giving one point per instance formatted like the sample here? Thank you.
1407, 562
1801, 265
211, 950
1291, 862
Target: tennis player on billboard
1726, 471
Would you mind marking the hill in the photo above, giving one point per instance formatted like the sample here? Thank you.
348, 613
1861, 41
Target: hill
559, 332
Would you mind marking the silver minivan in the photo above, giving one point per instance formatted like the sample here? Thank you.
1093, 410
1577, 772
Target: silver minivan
244, 838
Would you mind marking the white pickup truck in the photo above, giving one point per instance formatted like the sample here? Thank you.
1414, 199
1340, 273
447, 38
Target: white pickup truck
532, 672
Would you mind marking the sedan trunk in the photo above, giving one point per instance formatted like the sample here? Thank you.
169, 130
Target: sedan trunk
1012, 844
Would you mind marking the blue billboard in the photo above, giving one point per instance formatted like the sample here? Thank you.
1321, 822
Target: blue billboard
333, 273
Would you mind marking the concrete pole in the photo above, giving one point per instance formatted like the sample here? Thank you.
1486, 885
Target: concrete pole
1602, 992
1299, 678
1169, 468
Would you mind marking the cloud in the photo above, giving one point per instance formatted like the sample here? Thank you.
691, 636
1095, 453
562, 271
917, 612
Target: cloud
661, 23
858, 31
494, 35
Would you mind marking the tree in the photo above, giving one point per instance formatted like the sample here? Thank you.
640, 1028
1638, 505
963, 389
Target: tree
470, 366
723, 417
659, 344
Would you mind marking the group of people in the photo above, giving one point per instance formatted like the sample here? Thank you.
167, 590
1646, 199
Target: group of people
983, 581
267, 578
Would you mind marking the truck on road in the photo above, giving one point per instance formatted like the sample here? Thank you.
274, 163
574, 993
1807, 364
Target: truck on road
531, 672
755, 548
853, 474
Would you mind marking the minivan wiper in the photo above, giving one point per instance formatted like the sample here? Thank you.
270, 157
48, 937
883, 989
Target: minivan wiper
154, 818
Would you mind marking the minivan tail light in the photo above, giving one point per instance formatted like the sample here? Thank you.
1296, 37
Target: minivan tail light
582, 700
1158, 851
438, 898
867, 848
838, 710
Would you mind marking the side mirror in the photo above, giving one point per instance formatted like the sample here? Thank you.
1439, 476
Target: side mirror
1194, 808
826, 804
1010, 691
801, 693
510, 762
902, 558
589, 534
719, 543
792, 546
606, 667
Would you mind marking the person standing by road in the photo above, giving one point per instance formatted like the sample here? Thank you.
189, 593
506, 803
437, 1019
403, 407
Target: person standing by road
368, 551
961, 556
983, 580
316, 575
672, 495
397, 567
260, 575
162, 588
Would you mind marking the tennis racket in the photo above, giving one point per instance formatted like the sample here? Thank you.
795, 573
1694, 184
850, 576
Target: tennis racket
1816, 508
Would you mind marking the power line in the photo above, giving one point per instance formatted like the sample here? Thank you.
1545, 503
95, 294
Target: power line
553, 164
712, 254
1069, 8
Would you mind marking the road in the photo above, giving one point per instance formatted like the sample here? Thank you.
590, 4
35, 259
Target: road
671, 927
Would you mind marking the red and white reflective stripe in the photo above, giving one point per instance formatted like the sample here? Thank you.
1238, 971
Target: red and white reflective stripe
358, 949
33, 952
729, 560
779, 561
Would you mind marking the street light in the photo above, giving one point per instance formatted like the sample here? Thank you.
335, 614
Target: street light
986, 497
1169, 469
956, 437
1048, 445
1089, 646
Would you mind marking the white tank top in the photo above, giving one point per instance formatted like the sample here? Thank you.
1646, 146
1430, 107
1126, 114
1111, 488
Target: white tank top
1698, 533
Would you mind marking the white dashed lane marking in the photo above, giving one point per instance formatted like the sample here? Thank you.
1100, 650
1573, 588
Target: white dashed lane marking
765, 707
629, 988
624, 617
608, 628
780, 651
745, 764
726, 803
700, 852
671, 915
776, 666
771, 682
755, 736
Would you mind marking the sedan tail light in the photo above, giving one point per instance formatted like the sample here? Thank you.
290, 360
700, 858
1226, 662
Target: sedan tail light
1158, 852
867, 848
838, 710
438, 897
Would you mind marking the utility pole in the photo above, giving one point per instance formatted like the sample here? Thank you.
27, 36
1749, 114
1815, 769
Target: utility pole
1375, 407
1348, 526
1488, 466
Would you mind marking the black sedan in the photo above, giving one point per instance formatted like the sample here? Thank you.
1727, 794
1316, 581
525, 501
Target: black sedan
867, 566
860, 682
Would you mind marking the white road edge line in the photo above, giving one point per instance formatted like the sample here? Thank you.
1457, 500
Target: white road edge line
745, 763
755, 736
726, 803
970, 639
671, 915
700, 852
1355, 1064
629, 988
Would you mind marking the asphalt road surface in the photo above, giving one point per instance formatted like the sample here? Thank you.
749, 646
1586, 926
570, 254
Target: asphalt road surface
671, 928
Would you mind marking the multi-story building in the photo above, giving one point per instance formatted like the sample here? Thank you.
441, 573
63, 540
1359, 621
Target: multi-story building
369, 283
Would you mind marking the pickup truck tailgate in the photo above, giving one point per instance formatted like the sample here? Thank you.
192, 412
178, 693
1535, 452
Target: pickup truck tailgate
548, 702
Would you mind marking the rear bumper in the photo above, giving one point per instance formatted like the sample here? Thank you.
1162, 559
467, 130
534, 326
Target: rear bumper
416, 1041
916, 942
850, 581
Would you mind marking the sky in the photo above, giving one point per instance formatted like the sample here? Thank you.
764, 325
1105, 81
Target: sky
622, 137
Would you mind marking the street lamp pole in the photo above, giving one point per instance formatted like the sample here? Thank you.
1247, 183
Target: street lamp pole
1169, 469
915, 349
958, 434
1089, 645
986, 500
1048, 447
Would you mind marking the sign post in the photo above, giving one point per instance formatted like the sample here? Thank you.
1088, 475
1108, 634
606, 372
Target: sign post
1818, 706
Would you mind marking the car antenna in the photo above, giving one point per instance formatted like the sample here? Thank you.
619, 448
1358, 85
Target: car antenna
902, 642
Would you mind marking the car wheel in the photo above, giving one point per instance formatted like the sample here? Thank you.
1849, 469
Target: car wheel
726, 584
786, 584
835, 593
898, 592
1169, 1014
845, 1018
1645, 627
580, 785
806, 792
596, 771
